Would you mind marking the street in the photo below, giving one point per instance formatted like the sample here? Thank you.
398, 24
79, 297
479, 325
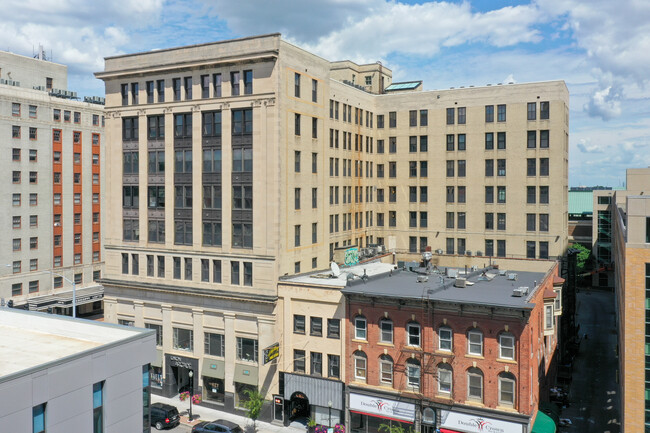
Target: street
594, 396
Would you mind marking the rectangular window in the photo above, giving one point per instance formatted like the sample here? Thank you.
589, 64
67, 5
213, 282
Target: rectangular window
489, 140
543, 167
530, 249
380, 120
530, 222
532, 111
183, 339
333, 366
531, 141
501, 194
334, 328
501, 221
449, 246
543, 138
38, 418
489, 113
489, 221
501, 113
248, 82
501, 167
501, 248
501, 140
450, 116
489, 167
314, 90
246, 349
543, 194
450, 142
316, 363
543, 251
544, 109
214, 344
461, 115
316, 326
543, 222
461, 168
392, 119
98, 407
531, 167
296, 85
461, 142
216, 271
298, 361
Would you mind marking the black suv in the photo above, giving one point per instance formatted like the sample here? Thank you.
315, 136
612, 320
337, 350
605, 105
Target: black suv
164, 416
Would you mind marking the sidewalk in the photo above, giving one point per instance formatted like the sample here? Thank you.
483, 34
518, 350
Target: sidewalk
202, 413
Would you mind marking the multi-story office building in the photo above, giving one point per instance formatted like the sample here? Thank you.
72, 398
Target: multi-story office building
275, 157
53, 185
629, 213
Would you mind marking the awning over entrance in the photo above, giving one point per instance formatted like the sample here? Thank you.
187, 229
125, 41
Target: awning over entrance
214, 368
543, 424
63, 298
319, 392
246, 374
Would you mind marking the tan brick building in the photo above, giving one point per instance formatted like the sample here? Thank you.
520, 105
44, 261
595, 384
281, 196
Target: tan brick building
274, 157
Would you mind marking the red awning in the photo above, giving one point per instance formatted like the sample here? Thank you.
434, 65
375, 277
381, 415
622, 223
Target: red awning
444, 430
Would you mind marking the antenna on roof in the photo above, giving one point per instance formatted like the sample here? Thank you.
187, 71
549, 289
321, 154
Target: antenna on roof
336, 271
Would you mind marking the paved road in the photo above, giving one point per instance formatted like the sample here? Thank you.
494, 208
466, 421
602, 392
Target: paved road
594, 396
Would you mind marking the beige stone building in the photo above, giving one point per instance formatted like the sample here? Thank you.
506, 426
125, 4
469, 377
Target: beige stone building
52, 165
272, 157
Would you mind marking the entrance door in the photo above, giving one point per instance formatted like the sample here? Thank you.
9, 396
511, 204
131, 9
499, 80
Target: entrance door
298, 406
182, 379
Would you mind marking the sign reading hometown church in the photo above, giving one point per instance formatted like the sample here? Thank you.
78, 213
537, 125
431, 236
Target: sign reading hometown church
271, 352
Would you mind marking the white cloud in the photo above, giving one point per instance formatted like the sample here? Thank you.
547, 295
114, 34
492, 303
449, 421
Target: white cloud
586, 146
605, 103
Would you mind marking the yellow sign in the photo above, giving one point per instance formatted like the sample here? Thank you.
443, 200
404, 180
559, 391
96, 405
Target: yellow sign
271, 352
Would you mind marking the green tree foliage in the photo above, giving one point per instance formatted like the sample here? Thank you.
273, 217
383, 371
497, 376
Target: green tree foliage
392, 428
254, 404
582, 258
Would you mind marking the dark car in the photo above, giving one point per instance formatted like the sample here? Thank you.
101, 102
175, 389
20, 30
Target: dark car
220, 425
164, 416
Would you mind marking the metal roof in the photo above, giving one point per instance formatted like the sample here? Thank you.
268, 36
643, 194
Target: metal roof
581, 202
407, 85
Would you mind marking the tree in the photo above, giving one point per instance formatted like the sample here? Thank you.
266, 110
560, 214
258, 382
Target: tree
389, 428
582, 257
254, 404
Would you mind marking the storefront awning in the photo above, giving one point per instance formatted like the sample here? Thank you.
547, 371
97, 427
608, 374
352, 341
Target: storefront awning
319, 392
214, 368
246, 374
543, 424
63, 298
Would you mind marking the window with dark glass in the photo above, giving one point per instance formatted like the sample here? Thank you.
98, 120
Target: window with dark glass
489, 113
489, 140
501, 113
183, 125
211, 123
156, 127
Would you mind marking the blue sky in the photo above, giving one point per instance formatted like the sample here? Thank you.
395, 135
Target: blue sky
599, 47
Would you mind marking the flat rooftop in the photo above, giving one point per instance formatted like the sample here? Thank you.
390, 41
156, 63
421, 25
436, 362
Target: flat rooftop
484, 286
32, 340
326, 278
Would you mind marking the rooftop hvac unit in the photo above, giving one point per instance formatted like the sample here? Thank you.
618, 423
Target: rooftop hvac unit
502, 272
469, 253
520, 291
381, 249
452, 273
479, 253
460, 282
474, 268
438, 251
2, 81
422, 278
512, 276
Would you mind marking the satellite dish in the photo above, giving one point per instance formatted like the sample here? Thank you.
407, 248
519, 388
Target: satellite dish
336, 271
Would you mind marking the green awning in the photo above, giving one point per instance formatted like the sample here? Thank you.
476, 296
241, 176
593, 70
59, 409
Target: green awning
215, 368
543, 424
246, 374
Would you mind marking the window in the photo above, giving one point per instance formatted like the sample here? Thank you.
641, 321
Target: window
380, 121
445, 341
532, 111
392, 119
296, 85
211, 161
543, 222
489, 167
149, 90
531, 167
183, 339
15, 154
32, 133
333, 366
246, 349
506, 389
234, 273
543, 167
392, 144
544, 108
530, 222
156, 127
461, 115
216, 84
474, 384
501, 113
450, 142
333, 328
56, 115
501, 194
298, 324
15, 177
216, 271
188, 268
548, 316
543, 253
15, 131
15, 109
501, 140
386, 331
316, 326
530, 195
360, 328
489, 140
445, 378
386, 370
130, 130
424, 143
214, 344
248, 82
16, 289
543, 139
506, 346
501, 248
242, 122
314, 90
38, 418
242, 197
489, 113
16, 199
543, 194
360, 366
413, 374
501, 221
475, 343
531, 141
450, 194
183, 125
413, 334
462, 194
461, 167
501, 167
160, 85
450, 116
98, 407
316, 359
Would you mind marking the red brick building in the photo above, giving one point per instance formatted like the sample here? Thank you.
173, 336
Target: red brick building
451, 351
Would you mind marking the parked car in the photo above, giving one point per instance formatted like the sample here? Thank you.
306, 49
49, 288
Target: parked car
220, 425
164, 416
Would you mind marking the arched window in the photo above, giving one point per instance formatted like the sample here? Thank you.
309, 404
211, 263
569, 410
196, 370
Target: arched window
507, 389
413, 374
445, 339
474, 384
475, 342
360, 328
386, 370
445, 378
360, 366
506, 346
413, 334
386, 331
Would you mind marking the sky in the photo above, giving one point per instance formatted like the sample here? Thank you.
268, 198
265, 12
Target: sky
600, 48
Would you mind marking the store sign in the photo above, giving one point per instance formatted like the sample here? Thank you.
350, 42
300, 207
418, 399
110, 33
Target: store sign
177, 361
382, 407
477, 424
271, 352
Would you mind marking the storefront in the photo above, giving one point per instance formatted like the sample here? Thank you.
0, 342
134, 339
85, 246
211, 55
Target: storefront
456, 422
213, 373
312, 397
156, 373
369, 412
245, 380
177, 377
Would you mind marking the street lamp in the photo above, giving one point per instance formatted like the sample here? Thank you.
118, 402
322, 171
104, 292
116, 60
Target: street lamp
74, 293
191, 373
329, 403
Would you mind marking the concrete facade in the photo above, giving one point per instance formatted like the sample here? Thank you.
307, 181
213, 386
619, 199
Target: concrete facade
54, 363
53, 172
274, 190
